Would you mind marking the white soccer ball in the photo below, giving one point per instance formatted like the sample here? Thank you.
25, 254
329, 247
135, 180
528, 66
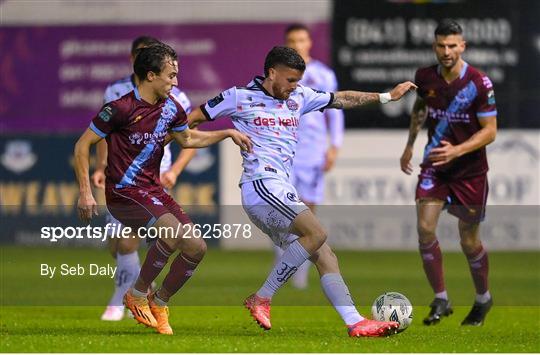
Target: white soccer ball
393, 307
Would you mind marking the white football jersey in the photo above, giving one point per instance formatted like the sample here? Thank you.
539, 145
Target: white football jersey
271, 123
124, 86
316, 127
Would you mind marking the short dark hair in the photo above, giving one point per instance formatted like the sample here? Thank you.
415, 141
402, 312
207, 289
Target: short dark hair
145, 41
448, 27
283, 56
153, 59
297, 27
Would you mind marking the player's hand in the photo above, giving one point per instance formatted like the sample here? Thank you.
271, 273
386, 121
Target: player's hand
405, 160
331, 156
98, 178
241, 140
443, 154
168, 179
401, 89
86, 207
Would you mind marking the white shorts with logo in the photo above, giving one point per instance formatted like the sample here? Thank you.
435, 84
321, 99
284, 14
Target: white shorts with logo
309, 182
272, 205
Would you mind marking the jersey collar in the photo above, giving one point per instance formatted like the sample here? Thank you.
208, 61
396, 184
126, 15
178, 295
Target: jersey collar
136, 92
461, 73
258, 80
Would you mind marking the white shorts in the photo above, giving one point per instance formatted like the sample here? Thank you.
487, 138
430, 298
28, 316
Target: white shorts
309, 182
272, 205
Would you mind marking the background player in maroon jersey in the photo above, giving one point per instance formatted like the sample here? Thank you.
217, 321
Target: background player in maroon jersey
457, 102
137, 127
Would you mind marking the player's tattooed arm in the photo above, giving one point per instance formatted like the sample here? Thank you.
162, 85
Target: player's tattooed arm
353, 99
418, 117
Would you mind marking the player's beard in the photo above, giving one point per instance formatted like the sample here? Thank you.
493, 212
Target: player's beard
449, 63
280, 94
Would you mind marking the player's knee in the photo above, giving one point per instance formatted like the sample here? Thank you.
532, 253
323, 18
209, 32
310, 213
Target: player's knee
196, 248
426, 231
469, 245
318, 237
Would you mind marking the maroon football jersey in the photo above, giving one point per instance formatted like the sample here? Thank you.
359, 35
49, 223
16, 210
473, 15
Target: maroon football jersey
454, 110
135, 132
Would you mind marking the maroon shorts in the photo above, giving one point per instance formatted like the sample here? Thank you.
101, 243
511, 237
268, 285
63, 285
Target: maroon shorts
465, 197
136, 207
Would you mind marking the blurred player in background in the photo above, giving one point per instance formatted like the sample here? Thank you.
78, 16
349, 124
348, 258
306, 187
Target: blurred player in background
268, 110
137, 128
314, 156
125, 250
458, 103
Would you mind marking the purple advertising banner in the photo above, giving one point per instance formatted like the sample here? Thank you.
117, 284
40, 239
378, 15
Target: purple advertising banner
53, 77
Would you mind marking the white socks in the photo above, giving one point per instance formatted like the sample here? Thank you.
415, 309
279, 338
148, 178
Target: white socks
483, 298
442, 295
285, 267
338, 294
127, 271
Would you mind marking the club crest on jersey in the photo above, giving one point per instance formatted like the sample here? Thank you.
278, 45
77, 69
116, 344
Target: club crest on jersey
166, 113
426, 184
291, 105
106, 113
431, 93
215, 101
135, 138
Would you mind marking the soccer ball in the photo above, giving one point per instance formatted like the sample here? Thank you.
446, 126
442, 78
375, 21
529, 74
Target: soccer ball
393, 307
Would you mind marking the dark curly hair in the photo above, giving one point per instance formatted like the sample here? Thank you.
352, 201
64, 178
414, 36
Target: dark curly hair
283, 56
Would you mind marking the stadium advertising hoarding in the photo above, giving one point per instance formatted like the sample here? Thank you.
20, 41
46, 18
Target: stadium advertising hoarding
65, 69
38, 188
379, 43
369, 202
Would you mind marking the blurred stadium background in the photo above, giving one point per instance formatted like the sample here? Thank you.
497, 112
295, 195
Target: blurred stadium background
58, 56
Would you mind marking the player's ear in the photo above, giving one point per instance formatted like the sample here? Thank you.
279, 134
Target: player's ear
150, 76
271, 73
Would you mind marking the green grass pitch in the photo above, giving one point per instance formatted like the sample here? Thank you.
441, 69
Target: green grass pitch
62, 314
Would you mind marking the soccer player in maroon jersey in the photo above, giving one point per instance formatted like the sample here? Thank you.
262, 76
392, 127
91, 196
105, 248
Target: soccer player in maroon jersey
137, 127
457, 102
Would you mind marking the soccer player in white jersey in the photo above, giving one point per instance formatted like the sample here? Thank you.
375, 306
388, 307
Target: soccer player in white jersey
314, 156
125, 250
268, 110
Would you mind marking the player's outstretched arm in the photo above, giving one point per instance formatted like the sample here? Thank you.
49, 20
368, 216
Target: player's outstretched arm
86, 205
199, 139
353, 99
418, 117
